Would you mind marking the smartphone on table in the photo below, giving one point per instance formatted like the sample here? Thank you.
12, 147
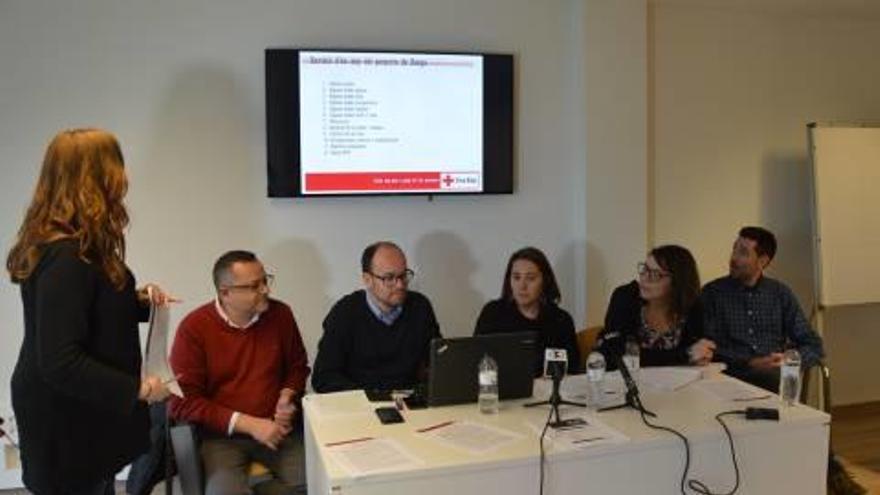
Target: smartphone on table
389, 415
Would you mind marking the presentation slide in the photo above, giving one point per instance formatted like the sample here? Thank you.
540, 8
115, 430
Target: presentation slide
390, 122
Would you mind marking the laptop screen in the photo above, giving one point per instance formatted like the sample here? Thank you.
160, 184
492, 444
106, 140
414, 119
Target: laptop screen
452, 375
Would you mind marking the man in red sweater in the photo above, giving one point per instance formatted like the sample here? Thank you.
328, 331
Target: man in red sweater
241, 363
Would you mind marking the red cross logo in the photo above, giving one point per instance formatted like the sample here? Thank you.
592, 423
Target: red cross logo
448, 180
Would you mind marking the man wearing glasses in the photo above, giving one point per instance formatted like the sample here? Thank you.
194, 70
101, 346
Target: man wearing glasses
378, 337
241, 363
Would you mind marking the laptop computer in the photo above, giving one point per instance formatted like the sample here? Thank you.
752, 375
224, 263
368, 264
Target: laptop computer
452, 372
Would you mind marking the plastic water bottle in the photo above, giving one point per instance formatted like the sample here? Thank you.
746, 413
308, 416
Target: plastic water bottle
632, 358
595, 380
488, 380
790, 377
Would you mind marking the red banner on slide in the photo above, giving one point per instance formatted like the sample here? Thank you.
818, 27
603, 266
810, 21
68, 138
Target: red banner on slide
372, 181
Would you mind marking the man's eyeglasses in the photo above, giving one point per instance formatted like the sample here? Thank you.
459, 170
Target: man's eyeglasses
263, 283
650, 274
390, 279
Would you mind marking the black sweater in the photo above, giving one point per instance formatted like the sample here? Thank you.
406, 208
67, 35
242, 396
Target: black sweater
623, 321
358, 351
75, 385
554, 327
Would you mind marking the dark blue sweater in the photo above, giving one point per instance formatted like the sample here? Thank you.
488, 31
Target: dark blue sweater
357, 351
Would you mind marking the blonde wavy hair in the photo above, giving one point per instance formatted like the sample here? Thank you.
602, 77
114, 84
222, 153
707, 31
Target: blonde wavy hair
78, 195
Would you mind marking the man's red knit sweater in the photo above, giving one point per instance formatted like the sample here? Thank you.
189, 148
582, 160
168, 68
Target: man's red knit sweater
222, 369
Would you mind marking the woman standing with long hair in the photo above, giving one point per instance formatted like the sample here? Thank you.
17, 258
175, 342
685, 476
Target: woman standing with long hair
77, 391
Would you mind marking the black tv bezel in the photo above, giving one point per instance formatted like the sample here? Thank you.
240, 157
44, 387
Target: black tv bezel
283, 123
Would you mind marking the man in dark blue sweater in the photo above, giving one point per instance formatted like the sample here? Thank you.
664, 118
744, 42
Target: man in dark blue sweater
378, 337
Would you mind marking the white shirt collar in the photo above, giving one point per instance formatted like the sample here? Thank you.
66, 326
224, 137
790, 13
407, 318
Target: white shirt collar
231, 323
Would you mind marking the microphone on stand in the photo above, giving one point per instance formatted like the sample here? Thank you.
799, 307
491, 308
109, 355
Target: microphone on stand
556, 362
632, 390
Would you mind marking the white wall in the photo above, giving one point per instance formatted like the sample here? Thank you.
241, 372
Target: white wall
181, 84
732, 91
616, 115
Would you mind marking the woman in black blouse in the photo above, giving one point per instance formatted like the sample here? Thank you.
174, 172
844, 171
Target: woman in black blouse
529, 303
660, 311
79, 398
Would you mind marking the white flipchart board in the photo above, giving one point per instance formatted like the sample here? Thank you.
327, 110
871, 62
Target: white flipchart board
846, 213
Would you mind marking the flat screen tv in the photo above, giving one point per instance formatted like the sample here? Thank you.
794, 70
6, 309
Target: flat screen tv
355, 122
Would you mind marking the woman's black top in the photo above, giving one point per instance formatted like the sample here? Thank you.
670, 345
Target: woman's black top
76, 382
554, 327
624, 321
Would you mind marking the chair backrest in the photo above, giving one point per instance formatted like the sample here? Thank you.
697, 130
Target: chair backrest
258, 470
822, 387
586, 340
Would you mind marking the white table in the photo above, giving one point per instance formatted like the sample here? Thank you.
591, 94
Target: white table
788, 456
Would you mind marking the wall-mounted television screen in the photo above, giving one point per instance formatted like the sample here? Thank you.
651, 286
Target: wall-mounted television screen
352, 122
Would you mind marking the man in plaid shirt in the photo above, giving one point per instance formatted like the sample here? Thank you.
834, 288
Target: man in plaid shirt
752, 318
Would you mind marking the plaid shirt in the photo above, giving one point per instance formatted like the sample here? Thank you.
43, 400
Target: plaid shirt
747, 322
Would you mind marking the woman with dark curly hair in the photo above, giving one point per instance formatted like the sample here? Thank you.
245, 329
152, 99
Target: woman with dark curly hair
660, 311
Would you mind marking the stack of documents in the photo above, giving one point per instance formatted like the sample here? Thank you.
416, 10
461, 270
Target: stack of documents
584, 433
668, 378
470, 436
734, 391
364, 456
156, 359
